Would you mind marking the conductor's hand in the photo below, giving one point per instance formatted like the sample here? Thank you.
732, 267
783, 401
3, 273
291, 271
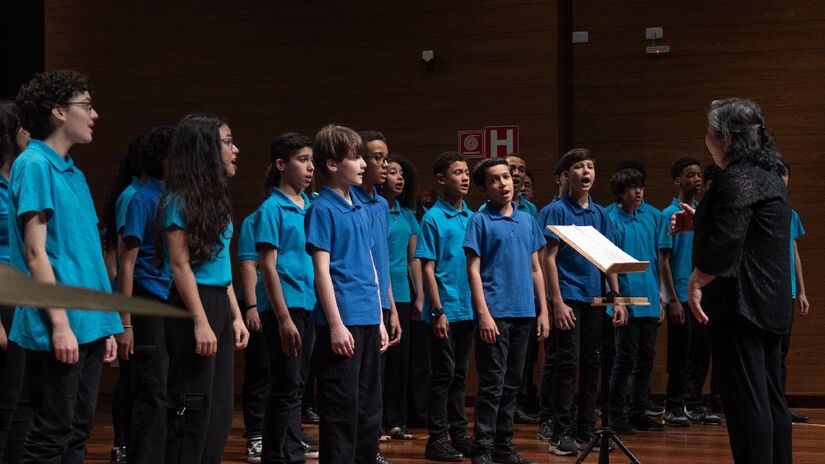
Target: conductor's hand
695, 300
441, 327
487, 329
682, 221
563, 316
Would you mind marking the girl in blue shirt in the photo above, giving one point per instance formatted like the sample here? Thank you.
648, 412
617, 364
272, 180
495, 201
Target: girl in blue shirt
197, 226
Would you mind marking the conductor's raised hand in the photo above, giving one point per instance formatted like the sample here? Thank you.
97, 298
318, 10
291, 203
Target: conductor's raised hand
682, 221
695, 300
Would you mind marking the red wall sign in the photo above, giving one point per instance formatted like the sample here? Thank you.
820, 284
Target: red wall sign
491, 142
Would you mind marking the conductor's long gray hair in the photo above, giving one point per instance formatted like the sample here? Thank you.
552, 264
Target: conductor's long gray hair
739, 123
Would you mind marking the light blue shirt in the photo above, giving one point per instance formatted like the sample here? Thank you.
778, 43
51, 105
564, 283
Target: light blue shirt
5, 256
681, 250
123, 200
403, 226
43, 181
246, 252
378, 209
280, 224
797, 231
216, 271
443, 229
637, 235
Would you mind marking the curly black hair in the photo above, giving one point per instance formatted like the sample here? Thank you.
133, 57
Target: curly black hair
8, 129
154, 149
129, 168
407, 198
40, 95
196, 178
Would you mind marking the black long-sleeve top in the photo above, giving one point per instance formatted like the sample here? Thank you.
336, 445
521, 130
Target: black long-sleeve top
742, 235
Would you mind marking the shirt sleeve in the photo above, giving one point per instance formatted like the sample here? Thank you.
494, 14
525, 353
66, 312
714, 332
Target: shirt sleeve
122, 209
665, 239
268, 228
410, 215
797, 231
138, 215
246, 239
427, 240
33, 188
474, 237
172, 214
538, 241
553, 216
318, 226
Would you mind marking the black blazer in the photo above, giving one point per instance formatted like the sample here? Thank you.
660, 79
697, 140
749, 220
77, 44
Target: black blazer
742, 236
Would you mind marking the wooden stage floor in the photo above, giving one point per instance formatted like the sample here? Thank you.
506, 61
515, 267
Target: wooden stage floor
696, 444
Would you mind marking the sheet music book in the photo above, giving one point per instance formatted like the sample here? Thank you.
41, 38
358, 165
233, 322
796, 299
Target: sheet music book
598, 249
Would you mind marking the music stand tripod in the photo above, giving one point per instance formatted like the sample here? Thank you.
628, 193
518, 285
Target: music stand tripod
604, 435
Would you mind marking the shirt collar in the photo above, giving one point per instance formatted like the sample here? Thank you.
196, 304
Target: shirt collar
625, 216
496, 215
57, 161
449, 210
339, 201
154, 184
576, 207
395, 208
283, 200
4, 183
678, 203
364, 196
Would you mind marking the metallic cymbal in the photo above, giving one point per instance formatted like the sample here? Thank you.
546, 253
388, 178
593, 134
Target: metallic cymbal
16, 289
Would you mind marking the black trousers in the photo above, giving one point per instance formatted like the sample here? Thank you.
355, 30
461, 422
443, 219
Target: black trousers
150, 368
688, 361
448, 371
122, 404
528, 392
577, 351
419, 374
200, 388
548, 373
255, 381
15, 411
397, 371
698, 363
499, 365
786, 346
349, 397
282, 420
748, 360
635, 349
63, 398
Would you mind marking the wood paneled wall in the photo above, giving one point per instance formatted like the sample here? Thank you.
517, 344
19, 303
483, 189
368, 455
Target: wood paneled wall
627, 105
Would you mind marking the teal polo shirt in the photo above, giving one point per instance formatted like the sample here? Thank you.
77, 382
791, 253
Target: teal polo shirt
505, 245
41, 180
681, 250
246, 252
280, 224
441, 238
216, 272
403, 226
637, 235
123, 200
5, 256
797, 231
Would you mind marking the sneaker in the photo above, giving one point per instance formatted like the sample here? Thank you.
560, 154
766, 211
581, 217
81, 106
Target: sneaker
439, 449
521, 417
463, 444
715, 403
546, 430
796, 417
623, 426
700, 415
481, 458
510, 458
380, 459
118, 455
562, 444
310, 415
254, 447
309, 452
643, 422
676, 418
652, 409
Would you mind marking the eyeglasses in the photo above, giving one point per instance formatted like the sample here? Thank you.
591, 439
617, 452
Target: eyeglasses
378, 158
86, 105
228, 141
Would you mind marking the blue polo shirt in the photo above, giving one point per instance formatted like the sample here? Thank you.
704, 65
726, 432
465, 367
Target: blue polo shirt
344, 231
681, 250
797, 231
579, 280
280, 224
217, 271
123, 200
5, 256
140, 224
523, 205
246, 252
41, 180
403, 226
379, 210
443, 229
506, 245
638, 235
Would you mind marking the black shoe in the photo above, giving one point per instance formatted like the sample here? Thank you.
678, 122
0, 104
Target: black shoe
118, 455
700, 415
310, 415
715, 403
463, 444
546, 430
796, 417
510, 458
380, 459
562, 444
521, 417
481, 458
675, 417
652, 409
441, 450
309, 452
622, 426
644, 422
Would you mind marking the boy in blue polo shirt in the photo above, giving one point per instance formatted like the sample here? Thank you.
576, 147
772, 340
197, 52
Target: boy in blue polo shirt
350, 329
448, 308
506, 282
573, 283
637, 234
53, 237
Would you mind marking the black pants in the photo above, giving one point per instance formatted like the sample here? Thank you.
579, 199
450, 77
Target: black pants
688, 361
349, 397
757, 417
548, 373
419, 373
448, 371
396, 373
122, 404
63, 398
255, 381
200, 388
15, 412
786, 346
499, 366
698, 363
150, 367
527, 394
635, 349
577, 351
282, 421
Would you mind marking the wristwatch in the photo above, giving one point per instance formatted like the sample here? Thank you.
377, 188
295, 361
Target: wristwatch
436, 312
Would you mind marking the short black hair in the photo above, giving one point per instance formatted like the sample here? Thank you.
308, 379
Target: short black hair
711, 172
632, 164
681, 164
445, 160
625, 178
155, 147
370, 135
528, 173
480, 169
572, 157
282, 148
40, 95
